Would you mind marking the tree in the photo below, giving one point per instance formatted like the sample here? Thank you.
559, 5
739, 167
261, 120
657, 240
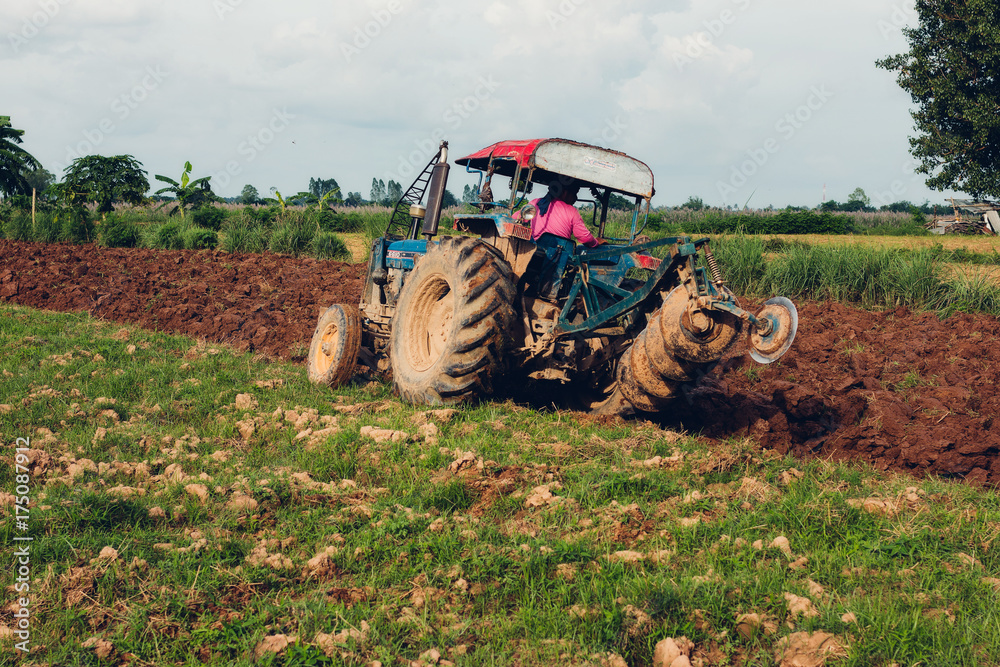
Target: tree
619, 203
310, 199
394, 192
354, 199
469, 195
187, 193
950, 73
249, 196
105, 181
15, 162
448, 199
40, 179
320, 187
302, 199
694, 203
857, 201
378, 191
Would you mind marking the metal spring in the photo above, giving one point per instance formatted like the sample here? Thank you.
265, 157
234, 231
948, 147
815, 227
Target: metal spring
713, 266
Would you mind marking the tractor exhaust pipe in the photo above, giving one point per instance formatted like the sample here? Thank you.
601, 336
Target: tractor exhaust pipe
435, 193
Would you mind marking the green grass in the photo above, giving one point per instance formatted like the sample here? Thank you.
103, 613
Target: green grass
502, 561
870, 276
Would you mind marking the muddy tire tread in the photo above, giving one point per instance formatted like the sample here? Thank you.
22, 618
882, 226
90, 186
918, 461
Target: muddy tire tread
473, 359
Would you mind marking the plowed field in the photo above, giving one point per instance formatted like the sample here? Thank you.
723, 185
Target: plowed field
903, 390
266, 303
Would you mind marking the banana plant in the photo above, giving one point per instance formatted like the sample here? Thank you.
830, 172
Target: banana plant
302, 199
279, 200
187, 192
333, 195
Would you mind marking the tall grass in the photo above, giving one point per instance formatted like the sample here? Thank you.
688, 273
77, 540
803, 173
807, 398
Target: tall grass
118, 232
872, 277
327, 245
971, 294
242, 232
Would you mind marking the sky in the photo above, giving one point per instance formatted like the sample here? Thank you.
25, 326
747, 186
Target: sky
758, 102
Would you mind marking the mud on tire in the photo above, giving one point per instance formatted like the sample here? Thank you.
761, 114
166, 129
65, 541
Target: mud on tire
333, 353
452, 323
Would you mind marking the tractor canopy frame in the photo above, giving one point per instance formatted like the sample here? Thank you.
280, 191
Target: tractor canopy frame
544, 161
594, 277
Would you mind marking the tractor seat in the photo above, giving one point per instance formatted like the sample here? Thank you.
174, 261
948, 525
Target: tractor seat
548, 264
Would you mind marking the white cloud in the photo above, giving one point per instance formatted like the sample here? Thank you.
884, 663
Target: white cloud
369, 84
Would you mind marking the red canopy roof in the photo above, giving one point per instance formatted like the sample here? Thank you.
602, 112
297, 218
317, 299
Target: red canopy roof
551, 157
517, 150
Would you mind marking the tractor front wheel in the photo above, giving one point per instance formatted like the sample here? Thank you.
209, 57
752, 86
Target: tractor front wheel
452, 323
333, 354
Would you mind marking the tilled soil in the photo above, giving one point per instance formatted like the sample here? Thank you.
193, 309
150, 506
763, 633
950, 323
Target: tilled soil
905, 391
266, 303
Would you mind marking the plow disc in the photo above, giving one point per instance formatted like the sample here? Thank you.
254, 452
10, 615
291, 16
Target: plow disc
681, 344
784, 319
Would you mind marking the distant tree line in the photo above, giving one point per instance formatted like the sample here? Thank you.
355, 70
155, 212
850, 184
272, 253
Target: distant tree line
103, 181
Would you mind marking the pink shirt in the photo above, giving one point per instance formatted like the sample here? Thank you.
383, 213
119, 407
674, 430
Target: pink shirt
564, 221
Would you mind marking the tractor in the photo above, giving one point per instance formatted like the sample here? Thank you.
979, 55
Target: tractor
628, 324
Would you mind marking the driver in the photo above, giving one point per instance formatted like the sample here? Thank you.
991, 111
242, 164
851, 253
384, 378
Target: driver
558, 216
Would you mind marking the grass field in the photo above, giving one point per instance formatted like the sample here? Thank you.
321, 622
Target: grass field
191, 505
978, 244
360, 245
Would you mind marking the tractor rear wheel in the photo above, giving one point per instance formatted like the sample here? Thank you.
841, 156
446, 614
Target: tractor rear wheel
452, 323
336, 343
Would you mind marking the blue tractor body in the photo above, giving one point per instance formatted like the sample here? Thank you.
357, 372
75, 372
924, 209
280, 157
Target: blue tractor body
631, 321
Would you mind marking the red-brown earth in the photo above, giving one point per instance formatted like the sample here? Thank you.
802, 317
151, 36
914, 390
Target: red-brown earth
266, 303
903, 390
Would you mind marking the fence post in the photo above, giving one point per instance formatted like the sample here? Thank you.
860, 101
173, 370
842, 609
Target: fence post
33, 207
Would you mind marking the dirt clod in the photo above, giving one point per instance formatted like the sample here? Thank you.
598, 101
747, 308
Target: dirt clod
673, 652
808, 649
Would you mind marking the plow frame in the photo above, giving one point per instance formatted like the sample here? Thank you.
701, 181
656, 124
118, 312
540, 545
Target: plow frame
680, 261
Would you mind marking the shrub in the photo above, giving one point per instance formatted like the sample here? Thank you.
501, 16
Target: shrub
169, 236
117, 232
148, 235
327, 245
332, 221
197, 238
263, 216
785, 222
209, 217
20, 202
48, 229
18, 227
77, 225
906, 229
292, 237
242, 236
